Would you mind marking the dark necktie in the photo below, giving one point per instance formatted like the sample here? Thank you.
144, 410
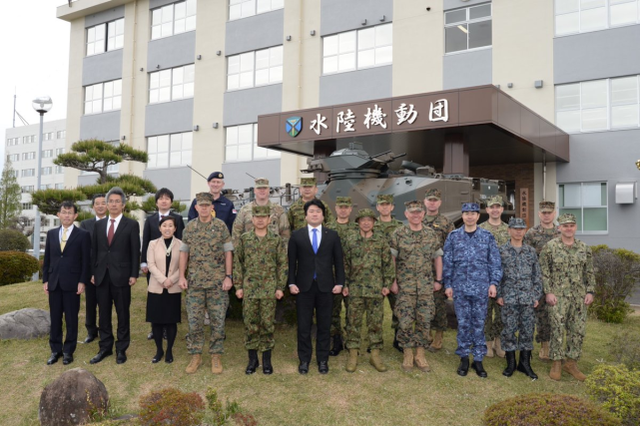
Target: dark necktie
112, 230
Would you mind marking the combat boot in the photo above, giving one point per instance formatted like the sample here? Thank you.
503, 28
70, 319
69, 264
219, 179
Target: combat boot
337, 346
436, 345
352, 361
477, 365
571, 367
253, 362
511, 364
556, 370
544, 351
524, 365
421, 361
216, 363
407, 362
376, 361
396, 344
489, 349
430, 337
267, 368
497, 348
195, 362
463, 368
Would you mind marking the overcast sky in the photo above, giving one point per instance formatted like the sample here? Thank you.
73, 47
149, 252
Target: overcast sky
35, 60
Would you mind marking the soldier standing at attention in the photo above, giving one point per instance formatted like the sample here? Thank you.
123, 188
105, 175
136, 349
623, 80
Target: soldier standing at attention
518, 295
417, 252
443, 226
261, 268
369, 273
208, 252
308, 191
569, 283
472, 272
387, 224
500, 230
537, 237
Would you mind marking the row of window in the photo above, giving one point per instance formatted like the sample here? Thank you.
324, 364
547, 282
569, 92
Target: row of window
32, 138
47, 153
579, 16
49, 170
27, 189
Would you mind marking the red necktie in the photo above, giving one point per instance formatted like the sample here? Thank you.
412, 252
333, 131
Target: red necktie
112, 230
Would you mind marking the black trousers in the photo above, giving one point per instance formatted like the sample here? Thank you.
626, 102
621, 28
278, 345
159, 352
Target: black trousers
306, 303
109, 294
67, 303
91, 302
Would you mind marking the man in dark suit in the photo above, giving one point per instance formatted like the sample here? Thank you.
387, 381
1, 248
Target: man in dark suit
65, 271
99, 206
115, 259
315, 253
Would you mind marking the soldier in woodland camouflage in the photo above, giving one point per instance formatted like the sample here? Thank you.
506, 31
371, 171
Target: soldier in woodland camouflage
261, 269
569, 282
308, 191
207, 251
369, 272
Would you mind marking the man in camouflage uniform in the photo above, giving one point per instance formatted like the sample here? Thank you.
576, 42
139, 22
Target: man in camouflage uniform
500, 230
369, 273
417, 252
261, 269
308, 191
208, 253
443, 226
569, 282
537, 237
518, 295
387, 224
472, 272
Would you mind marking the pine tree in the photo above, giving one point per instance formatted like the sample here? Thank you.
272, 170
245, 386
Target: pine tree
9, 196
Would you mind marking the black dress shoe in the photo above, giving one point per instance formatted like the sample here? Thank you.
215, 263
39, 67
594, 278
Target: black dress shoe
54, 358
100, 356
67, 359
168, 358
303, 368
323, 367
463, 368
158, 356
89, 339
337, 346
121, 357
477, 365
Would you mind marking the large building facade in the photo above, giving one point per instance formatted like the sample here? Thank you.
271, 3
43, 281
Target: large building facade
186, 81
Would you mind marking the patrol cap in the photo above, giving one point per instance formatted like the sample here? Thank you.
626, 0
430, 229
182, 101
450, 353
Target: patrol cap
566, 218
204, 198
343, 201
492, 201
261, 183
366, 213
547, 206
470, 207
260, 210
308, 181
414, 206
433, 194
517, 223
384, 199
215, 175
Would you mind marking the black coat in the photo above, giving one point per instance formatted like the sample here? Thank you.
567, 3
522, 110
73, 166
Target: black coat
122, 258
151, 231
67, 269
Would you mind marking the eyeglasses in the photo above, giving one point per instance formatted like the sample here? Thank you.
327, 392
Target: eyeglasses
115, 201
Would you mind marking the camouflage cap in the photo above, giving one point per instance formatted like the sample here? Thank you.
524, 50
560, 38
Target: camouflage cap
433, 193
260, 210
517, 223
261, 183
308, 181
547, 206
204, 198
566, 219
384, 198
366, 213
343, 201
492, 201
215, 175
470, 207
414, 206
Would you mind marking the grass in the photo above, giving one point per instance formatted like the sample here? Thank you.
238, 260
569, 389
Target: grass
365, 397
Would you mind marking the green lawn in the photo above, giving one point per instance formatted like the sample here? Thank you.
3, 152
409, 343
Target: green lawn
366, 397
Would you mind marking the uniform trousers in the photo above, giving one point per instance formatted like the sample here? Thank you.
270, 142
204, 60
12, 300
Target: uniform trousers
471, 312
542, 321
109, 294
215, 302
568, 316
414, 312
392, 304
493, 323
259, 317
521, 319
67, 303
336, 314
439, 321
373, 308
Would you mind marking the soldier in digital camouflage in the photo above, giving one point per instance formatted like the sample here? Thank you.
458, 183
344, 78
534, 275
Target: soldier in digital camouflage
207, 252
537, 237
417, 252
568, 282
472, 273
518, 295
261, 270
308, 191
369, 272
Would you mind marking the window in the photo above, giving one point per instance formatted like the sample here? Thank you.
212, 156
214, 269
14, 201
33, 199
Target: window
27, 189
579, 16
59, 185
173, 19
468, 28
241, 144
46, 171
60, 170
171, 85
244, 8
27, 206
13, 157
29, 155
13, 141
588, 202
598, 105
103, 97
105, 37
59, 151
62, 134
47, 153
28, 139
170, 150
47, 136
14, 172
28, 172
257, 68
359, 49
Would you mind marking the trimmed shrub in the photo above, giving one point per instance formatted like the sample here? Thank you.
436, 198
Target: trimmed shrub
618, 390
17, 267
547, 409
13, 240
171, 407
625, 347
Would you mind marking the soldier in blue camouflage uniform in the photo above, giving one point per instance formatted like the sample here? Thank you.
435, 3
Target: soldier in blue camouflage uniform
568, 281
518, 295
472, 273
369, 272
208, 253
261, 269
417, 252
308, 191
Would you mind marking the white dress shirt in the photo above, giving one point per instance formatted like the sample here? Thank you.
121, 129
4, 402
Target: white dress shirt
69, 229
115, 224
319, 234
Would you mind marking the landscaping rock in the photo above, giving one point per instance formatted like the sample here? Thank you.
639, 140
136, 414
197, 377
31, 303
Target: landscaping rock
25, 324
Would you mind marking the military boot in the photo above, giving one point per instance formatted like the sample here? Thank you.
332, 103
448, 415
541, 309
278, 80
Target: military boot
556, 370
337, 346
544, 351
489, 349
216, 363
267, 368
436, 345
421, 361
253, 364
524, 365
497, 348
376, 361
511, 364
477, 365
396, 344
352, 361
407, 362
195, 362
463, 368
571, 367
430, 337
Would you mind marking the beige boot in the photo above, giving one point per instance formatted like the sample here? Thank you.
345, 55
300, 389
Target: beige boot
216, 363
490, 349
376, 361
571, 367
436, 345
556, 370
544, 351
421, 361
430, 338
352, 361
195, 362
498, 349
407, 362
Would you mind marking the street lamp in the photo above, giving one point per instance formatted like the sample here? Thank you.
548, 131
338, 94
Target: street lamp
42, 105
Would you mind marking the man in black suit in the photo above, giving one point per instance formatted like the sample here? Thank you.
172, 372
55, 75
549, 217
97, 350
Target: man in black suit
315, 253
65, 271
151, 230
99, 206
115, 259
